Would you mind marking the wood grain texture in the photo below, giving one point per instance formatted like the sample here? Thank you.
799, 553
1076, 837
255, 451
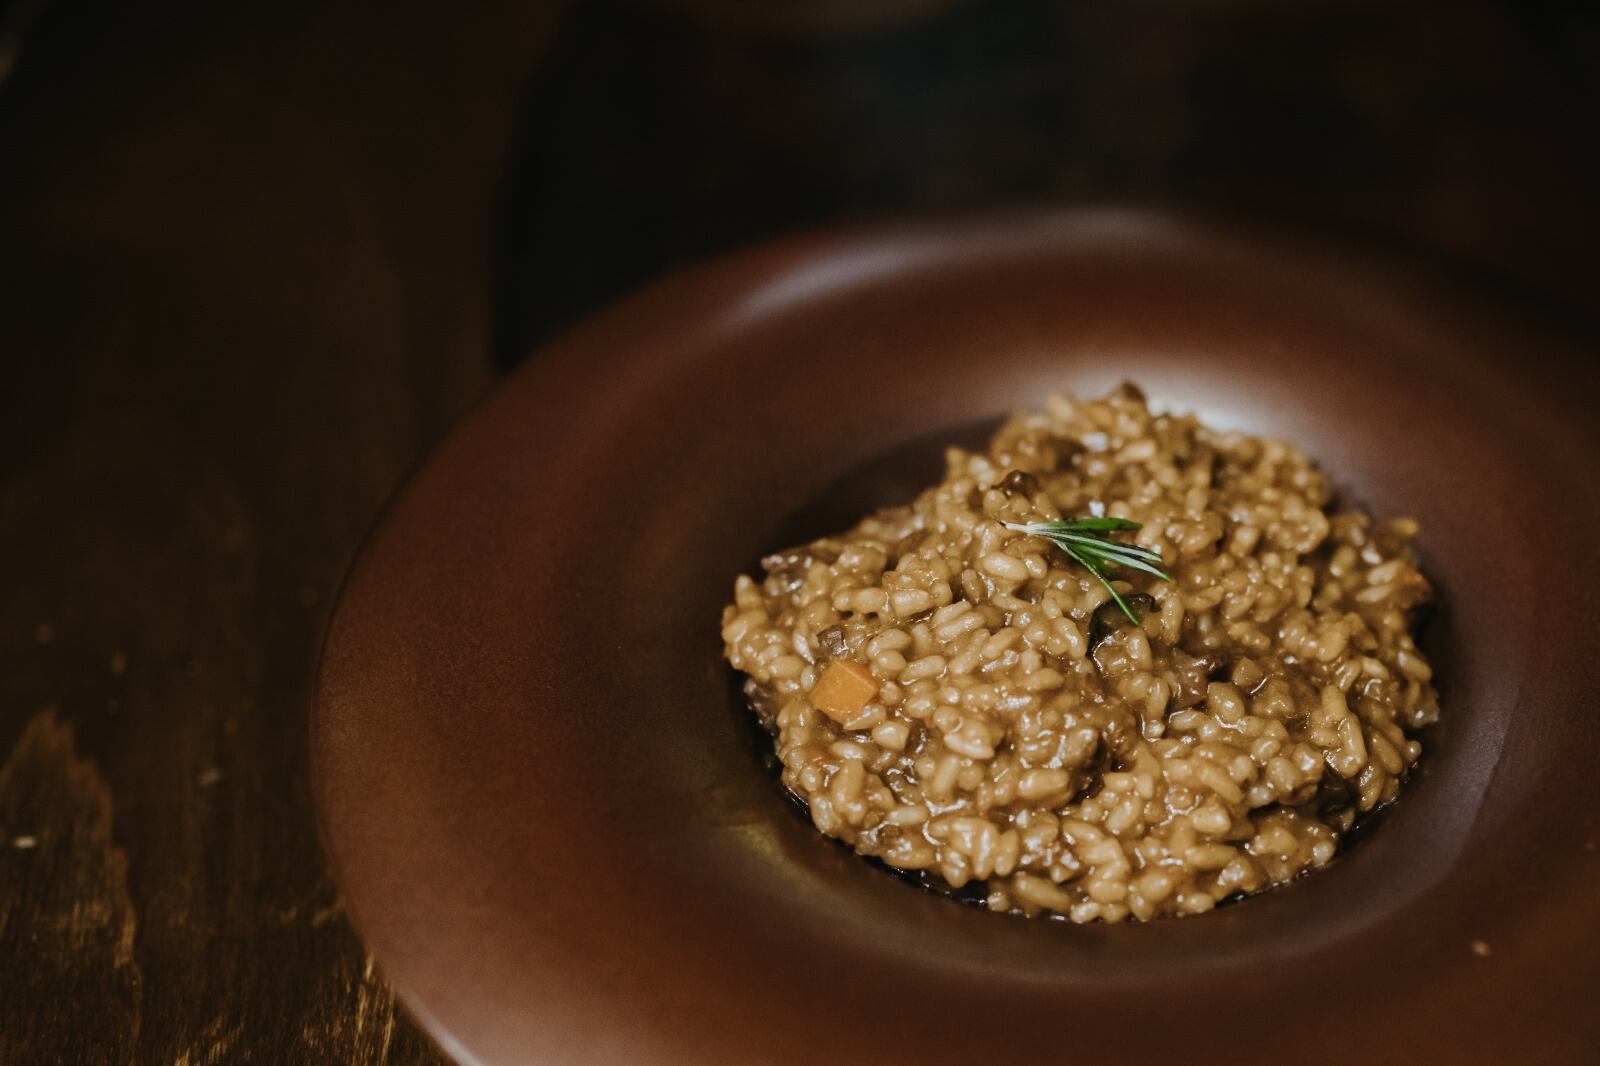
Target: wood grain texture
64, 899
244, 284
242, 289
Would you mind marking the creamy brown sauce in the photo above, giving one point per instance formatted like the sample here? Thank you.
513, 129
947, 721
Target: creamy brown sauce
962, 702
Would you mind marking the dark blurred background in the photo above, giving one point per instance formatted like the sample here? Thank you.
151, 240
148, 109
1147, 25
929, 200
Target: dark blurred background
256, 257
654, 137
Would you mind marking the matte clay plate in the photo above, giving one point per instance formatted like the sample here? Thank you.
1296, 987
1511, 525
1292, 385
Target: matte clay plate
540, 794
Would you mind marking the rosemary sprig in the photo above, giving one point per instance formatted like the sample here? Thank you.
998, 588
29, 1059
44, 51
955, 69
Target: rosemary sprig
1087, 541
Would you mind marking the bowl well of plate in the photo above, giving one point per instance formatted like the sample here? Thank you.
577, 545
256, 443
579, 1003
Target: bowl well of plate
539, 789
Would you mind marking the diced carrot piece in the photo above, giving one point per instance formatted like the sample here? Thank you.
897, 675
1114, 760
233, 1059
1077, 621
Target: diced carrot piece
843, 689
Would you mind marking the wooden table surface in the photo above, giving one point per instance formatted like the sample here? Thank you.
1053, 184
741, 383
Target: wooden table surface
247, 273
245, 286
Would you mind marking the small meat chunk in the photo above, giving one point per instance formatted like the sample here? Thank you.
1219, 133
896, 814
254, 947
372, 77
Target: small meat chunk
843, 689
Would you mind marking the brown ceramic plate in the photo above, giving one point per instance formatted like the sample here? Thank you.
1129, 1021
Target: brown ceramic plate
543, 802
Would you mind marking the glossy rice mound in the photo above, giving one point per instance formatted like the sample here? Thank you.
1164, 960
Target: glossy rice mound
960, 700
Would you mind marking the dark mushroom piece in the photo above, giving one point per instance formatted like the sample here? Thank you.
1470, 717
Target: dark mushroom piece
1019, 483
834, 643
1108, 617
1193, 675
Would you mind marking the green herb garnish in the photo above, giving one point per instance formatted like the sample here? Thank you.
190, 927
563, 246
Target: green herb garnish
1087, 541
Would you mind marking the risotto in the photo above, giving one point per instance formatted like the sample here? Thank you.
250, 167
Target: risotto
967, 702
